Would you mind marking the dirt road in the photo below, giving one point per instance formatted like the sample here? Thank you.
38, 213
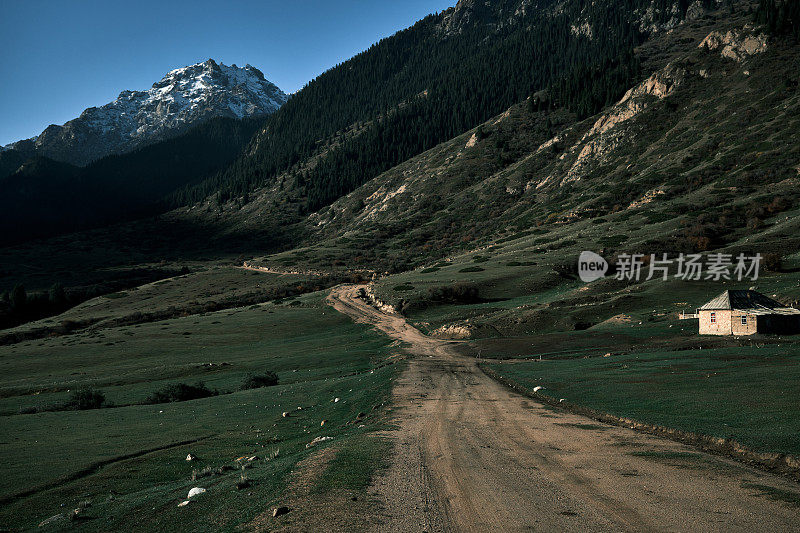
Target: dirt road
471, 455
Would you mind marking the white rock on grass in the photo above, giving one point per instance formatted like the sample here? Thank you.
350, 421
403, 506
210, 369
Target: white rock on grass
317, 441
53, 520
184, 503
537, 388
196, 492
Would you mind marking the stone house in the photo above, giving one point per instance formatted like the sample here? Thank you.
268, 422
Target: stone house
747, 313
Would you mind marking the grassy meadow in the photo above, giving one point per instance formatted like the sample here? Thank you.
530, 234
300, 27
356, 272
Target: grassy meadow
129, 459
747, 393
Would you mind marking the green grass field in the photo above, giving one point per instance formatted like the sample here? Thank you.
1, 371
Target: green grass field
747, 393
129, 460
220, 286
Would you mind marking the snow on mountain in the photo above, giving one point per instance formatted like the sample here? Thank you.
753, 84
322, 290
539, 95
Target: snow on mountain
181, 99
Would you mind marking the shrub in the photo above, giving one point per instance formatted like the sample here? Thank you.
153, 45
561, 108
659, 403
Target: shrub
405, 287
84, 399
243, 482
773, 262
268, 379
459, 293
471, 269
181, 392
567, 269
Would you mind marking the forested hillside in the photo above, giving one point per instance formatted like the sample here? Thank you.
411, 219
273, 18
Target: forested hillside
699, 155
444, 75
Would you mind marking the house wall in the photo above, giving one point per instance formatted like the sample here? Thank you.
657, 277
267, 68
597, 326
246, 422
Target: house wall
751, 328
780, 324
722, 326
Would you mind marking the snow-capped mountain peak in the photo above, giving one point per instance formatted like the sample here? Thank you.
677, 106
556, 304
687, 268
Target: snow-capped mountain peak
182, 98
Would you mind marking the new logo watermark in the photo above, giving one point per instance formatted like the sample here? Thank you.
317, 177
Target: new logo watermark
591, 267
687, 267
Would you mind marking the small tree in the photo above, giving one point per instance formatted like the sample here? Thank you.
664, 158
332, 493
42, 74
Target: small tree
83, 399
57, 294
19, 297
773, 262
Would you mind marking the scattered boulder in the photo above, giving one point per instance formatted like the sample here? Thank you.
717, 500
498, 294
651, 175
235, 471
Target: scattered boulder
453, 331
317, 441
53, 520
280, 511
537, 388
191, 457
285, 414
322, 423
184, 503
196, 491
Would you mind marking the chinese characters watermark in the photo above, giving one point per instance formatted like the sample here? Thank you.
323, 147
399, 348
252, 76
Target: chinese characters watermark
687, 267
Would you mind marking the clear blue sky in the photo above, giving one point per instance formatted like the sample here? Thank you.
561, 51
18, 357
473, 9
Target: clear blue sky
59, 57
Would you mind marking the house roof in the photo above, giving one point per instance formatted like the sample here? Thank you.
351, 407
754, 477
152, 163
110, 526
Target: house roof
751, 301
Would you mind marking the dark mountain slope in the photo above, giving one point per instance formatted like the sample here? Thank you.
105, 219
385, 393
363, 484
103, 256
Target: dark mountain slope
10, 161
44, 197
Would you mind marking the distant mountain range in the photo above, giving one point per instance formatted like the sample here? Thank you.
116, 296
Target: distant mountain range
183, 98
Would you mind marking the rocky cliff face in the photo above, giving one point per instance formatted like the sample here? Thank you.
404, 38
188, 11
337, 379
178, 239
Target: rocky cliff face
183, 98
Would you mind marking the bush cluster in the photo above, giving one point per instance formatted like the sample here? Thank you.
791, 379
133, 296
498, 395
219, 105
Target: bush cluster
268, 379
181, 392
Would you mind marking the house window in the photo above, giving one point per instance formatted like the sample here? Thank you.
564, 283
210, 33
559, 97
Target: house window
744, 320
713, 318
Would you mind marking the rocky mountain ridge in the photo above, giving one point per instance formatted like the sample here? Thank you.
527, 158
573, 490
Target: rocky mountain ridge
181, 99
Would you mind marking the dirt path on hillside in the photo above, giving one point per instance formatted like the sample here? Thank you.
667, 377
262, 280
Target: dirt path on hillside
472, 455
